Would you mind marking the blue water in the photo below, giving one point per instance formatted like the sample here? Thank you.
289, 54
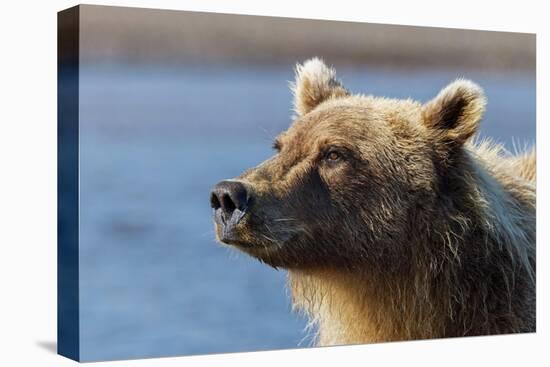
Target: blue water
153, 141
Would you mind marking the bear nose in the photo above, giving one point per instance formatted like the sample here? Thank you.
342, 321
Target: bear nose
229, 196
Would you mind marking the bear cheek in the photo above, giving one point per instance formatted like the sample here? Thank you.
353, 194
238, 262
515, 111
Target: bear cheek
335, 176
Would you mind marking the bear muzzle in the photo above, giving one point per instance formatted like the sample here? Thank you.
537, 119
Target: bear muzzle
230, 200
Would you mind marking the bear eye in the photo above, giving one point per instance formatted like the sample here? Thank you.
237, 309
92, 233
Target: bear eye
333, 156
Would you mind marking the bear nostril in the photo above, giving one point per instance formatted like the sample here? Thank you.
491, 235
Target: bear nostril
214, 201
228, 204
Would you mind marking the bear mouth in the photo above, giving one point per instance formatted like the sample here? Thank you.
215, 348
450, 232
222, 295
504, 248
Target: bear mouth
251, 241
236, 242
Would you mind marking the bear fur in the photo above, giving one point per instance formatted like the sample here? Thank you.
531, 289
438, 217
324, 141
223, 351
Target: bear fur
392, 222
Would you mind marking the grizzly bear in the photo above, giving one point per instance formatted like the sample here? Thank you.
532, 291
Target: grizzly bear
391, 222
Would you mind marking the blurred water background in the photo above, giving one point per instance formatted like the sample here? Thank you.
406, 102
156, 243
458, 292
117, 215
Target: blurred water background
156, 136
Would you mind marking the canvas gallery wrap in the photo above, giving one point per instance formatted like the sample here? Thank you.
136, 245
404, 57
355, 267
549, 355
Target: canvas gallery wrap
231, 183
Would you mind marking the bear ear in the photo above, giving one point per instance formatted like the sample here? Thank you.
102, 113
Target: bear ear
315, 83
455, 113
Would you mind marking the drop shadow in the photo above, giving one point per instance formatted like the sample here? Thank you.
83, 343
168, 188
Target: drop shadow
48, 345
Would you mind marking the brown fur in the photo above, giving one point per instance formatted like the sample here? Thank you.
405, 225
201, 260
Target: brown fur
392, 223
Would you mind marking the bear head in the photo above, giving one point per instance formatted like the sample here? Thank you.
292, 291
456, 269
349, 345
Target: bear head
354, 178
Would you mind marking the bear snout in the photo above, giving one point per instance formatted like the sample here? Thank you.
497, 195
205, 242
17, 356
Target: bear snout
230, 200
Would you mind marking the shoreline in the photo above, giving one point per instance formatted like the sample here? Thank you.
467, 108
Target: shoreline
119, 34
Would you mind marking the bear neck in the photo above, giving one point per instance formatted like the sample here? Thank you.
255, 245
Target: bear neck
347, 307
476, 259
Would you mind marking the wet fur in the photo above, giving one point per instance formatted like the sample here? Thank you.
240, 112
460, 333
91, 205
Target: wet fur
481, 282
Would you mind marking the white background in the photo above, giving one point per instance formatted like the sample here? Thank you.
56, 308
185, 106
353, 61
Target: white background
28, 182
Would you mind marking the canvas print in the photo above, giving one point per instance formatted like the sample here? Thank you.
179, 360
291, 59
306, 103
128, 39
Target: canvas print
233, 183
